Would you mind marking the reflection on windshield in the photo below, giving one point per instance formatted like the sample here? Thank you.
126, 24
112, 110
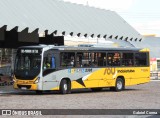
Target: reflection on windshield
27, 66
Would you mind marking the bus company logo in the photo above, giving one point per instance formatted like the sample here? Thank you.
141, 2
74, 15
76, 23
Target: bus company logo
69, 70
78, 70
6, 112
126, 71
88, 70
83, 70
72, 71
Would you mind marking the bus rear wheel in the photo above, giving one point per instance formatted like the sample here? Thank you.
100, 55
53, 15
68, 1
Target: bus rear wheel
119, 84
65, 87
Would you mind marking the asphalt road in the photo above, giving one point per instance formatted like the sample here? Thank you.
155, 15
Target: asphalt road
145, 96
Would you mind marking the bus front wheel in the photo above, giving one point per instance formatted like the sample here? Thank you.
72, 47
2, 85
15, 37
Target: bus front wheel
65, 87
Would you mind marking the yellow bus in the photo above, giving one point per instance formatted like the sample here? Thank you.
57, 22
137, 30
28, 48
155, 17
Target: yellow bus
63, 68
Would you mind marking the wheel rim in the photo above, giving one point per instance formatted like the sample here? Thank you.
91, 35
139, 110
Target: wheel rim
65, 87
119, 85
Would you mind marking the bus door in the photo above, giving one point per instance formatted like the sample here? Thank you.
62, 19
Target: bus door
49, 67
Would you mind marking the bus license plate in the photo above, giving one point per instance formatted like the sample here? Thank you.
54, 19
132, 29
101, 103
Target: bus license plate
24, 88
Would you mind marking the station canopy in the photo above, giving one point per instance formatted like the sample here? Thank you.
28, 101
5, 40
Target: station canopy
64, 18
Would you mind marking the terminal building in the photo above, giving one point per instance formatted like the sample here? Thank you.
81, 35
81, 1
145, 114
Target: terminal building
33, 22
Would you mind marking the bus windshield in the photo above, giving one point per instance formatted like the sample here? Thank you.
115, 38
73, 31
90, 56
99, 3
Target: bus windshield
27, 65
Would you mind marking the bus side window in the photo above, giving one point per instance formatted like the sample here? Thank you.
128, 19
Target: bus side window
127, 59
78, 60
46, 63
113, 59
101, 59
141, 59
109, 60
49, 62
53, 63
67, 59
72, 62
63, 61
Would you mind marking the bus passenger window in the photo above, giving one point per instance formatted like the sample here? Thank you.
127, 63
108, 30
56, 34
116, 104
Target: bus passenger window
46, 64
127, 59
83, 59
79, 60
53, 63
141, 59
94, 62
101, 59
67, 59
72, 61
113, 59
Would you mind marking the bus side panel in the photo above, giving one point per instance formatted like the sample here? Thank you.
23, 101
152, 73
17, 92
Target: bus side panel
131, 75
89, 80
80, 78
49, 81
110, 75
76, 85
98, 78
107, 78
94, 78
142, 76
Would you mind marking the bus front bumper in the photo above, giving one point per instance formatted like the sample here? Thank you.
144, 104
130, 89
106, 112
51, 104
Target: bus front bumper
25, 86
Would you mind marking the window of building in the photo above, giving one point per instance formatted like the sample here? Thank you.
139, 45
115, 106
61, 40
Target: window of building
158, 64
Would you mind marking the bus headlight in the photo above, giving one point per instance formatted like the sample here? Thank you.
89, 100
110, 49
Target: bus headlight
14, 80
37, 80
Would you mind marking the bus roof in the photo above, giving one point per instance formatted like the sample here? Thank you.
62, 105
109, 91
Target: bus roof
83, 48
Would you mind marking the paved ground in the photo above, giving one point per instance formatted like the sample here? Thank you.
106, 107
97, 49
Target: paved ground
145, 96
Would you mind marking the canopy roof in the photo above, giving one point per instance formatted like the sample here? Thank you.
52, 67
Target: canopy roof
59, 17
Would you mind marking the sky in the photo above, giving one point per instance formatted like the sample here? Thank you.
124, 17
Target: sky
143, 15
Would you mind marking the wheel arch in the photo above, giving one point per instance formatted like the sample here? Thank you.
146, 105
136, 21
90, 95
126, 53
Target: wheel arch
122, 77
67, 79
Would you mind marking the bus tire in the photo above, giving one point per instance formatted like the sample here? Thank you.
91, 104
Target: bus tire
65, 87
96, 89
119, 84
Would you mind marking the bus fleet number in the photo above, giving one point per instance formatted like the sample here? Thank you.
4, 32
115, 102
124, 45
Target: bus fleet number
109, 71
